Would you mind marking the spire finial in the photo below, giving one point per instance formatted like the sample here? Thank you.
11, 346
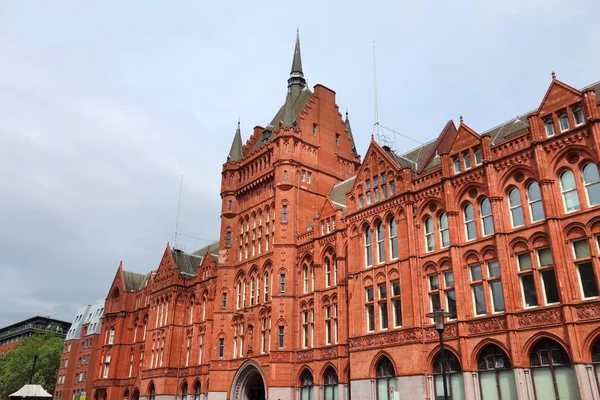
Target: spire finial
461, 119
296, 74
553, 75
346, 112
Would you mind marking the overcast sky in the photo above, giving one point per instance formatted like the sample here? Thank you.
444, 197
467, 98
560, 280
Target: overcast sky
105, 104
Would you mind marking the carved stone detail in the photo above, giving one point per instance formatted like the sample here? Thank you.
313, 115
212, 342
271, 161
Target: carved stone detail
540, 318
487, 325
588, 311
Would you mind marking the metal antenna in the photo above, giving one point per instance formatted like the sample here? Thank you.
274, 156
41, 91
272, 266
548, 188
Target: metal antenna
375, 95
178, 210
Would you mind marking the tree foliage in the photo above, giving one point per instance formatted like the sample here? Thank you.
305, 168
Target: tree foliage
15, 366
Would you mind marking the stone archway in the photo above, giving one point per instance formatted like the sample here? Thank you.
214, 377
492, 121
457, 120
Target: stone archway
249, 383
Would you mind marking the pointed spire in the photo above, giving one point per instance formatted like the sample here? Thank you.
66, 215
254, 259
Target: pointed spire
349, 129
296, 74
236, 152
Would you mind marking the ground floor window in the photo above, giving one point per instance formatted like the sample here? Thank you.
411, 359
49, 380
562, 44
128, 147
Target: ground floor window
386, 379
496, 378
306, 390
553, 376
454, 377
331, 384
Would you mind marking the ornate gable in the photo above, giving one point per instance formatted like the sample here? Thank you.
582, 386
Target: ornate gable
166, 268
465, 139
558, 96
376, 161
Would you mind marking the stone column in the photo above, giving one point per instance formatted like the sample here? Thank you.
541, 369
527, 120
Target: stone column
524, 383
472, 391
588, 388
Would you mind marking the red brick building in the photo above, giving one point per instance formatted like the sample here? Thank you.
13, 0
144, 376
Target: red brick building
326, 266
76, 368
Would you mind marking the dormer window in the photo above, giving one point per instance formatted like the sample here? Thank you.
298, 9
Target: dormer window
578, 115
549, 126
477, 153
368, 184
563, 119
368, 198
361, 202
456, 162
467, 160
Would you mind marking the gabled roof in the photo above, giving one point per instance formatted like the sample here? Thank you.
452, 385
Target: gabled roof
338, 192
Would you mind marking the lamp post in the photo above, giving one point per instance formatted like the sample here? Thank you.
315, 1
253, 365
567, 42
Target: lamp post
438, 318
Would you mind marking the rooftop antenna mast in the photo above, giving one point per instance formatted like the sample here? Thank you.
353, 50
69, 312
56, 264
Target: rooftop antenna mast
178, 210
376, 130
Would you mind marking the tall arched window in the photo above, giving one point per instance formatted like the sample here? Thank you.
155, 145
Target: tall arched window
485, 210
368, 247
386, 379
151, 392
111, 335
516, 210
204, 299
535, 202
239, 295
444, 230
191, 317
569, 191
496, 378
184, 391
380, 245
305, 278
197, 391
393, 238
331, 384
454, 377
469, 215
267, 285
327, 272
429, 238
591, 180
306, 389
552, 372
252, 281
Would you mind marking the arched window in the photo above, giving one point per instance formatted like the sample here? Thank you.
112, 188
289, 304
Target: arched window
485, 210
496, 379
327, 272
516, 210
267, 284
239, 295
204, 299
380, 245
368, 247
569, 191
393, 238
151, 392
444, 231
331, 384
252, 281
563, 120
469, 221
386, 379
197, 391
191, 318
306, 389
184, 390
305, 278
535, 202
429, 239
111, 335
591, 180
552, 372
454, 377
549, 126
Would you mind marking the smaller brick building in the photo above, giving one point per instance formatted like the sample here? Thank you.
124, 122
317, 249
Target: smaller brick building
77, 362
11, 335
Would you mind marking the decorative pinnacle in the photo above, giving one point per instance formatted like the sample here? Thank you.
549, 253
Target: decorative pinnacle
553, 75
461, 119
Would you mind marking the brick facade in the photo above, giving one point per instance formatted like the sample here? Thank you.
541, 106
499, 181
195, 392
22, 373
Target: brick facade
326, 266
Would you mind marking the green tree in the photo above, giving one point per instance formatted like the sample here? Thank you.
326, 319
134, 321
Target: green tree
15, 366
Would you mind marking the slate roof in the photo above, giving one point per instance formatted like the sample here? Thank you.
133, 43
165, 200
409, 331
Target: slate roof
236, 152
134, 281
214, 251
338, 192
187, 263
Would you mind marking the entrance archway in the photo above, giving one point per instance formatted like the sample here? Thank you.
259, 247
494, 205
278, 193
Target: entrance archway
249, 383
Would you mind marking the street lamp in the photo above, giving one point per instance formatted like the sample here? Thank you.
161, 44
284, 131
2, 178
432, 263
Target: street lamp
438, 318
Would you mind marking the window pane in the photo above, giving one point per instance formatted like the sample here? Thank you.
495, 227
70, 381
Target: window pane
479, 299
566, 383
397, 313
529, 290
382, 389
590, 173
370, 318
451, 300
524, 260
478, 156
493, 268
471, 232
572, 201
396, 288
537, 211
588, 279
435, 301
476, 272
533, 192
458, 386
550, 287
564, 122
545, 257
467, 158
582, 249
488, 226
514, 198
567, 180
383, 314
593, 193
369, 292
517, 216
439, 387
489, 387
549, 125
449, 279
508, 385
468, 212
497, 296
434, 282
542, 380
